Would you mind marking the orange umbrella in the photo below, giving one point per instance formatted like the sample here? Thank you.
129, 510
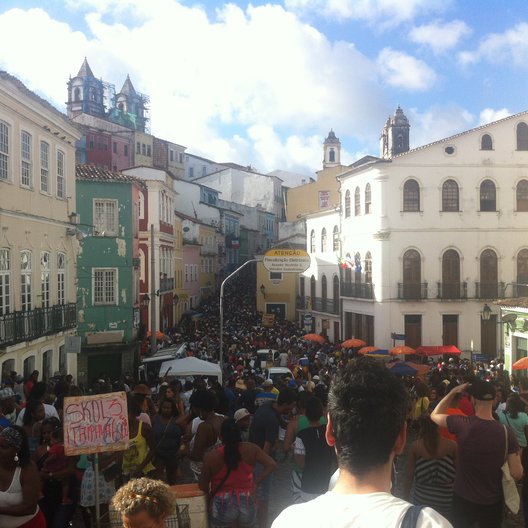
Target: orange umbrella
401, 349
314, 337
521, 364
353, 343
368, 349
159, 334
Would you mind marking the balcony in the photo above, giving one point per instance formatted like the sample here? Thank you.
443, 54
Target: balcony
359, 290
166, 284
452, 290
322, 304
412, 291
18, 327
490, 290
208, 251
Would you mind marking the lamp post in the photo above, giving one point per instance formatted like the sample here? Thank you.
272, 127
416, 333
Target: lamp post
221, 355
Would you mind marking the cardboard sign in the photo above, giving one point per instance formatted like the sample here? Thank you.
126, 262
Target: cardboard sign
94, 424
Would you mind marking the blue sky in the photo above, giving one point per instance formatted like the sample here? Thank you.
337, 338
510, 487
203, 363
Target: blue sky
263, 83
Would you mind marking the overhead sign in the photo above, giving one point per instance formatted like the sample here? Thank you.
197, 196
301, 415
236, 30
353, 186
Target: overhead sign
93, 424
307, 319
72, 344
286, 260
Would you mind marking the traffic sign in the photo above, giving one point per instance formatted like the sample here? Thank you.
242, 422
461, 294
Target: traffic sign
286, 260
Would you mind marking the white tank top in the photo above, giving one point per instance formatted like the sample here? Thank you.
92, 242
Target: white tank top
11, 497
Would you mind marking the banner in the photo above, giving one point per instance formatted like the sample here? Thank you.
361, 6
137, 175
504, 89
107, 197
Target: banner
94, 424
268, 320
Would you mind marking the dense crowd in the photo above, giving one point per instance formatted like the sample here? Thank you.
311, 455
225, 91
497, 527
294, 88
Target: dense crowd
229, 437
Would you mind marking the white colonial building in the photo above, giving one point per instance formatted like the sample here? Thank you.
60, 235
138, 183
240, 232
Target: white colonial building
427, 237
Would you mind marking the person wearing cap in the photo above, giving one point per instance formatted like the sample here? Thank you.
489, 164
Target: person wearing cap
7, 406
243, 420
266, 393
482, 442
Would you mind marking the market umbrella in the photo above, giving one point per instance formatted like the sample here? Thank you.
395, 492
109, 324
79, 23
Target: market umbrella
353, 343
379, 353
437, 350
520, 364
314, 337
401, 349
159, 334
403, 369
368, 349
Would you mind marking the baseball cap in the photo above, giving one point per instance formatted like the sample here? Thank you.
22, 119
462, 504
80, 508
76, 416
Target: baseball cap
268, 383
240, 414
6, 393
481, 390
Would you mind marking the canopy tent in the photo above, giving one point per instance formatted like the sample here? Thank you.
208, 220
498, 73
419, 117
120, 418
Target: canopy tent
403, 369
437, 350
190, 366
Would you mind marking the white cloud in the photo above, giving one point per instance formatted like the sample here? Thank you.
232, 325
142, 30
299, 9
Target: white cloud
404, 71
440, 37
510, 47
210, 81
386, 12
488, 115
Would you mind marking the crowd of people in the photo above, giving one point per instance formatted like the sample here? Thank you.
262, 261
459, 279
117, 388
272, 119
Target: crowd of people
338, 420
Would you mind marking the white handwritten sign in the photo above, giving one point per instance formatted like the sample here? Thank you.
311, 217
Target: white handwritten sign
93, 424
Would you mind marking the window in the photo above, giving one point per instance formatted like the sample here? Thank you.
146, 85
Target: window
368, 209
138, 148
522, 136
324, 289
357, 202
335, 244
45, 279
450, 275
323, 240
44, 167
114, 147
312, 241
61, 278
411, 274
488, 274
368, 268
143, 149
104, 286
411, 196
522, 195
61, 191
5, 281
357, 268
522, 273
450, 196
486, 143
347, 204
191, 172
126, 150
149, 151
4, 151
77, 94
488, 201
331, 155
25, 164
275, 275
312, 288
25, 280
105, 217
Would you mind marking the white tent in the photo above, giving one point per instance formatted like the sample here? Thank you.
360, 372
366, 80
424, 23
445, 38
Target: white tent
190, 366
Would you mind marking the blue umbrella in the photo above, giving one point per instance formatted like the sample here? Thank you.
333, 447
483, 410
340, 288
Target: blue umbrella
403, 369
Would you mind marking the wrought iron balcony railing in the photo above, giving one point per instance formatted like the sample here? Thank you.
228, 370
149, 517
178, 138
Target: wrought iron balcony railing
325, 305
452, 290
17, 327
412, 291
166, 284
360, 290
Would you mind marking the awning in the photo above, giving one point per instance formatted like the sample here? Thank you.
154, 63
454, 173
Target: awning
437, 350
190, 366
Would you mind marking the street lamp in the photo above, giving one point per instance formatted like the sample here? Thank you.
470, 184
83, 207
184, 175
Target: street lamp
145, 301
175, 299
486, 313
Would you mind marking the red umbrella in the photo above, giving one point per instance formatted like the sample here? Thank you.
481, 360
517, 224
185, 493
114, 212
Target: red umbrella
520, 364
353, 343
368, 349
401, 349
159, 335
437, 350
314, 337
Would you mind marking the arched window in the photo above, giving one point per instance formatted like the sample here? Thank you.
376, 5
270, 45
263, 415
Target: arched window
331, 155
5, 281
324, 288
368, 268
522, 136
450, 275
312, 288
357, 268
323, 240
347, 204
411, 196
412, 274
25, 281
522, 273
357, 202
93, 94
450, 196
335, 239
488, 274
488, 196
312, 241
522, 195
336, 293
367, 199
77, 94
486, 143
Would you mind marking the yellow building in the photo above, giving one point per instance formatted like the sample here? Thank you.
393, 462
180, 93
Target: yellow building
38, 238
208, 260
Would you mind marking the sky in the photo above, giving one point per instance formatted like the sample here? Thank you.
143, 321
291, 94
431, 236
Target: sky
262, 83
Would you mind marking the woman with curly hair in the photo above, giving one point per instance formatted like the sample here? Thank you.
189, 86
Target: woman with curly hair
144, 503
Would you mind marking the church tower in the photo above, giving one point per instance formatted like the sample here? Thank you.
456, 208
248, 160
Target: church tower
85, 93
395, 135
131, 105
332, 151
